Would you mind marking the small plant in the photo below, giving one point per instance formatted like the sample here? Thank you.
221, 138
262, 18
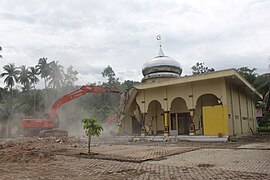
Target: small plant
92, 128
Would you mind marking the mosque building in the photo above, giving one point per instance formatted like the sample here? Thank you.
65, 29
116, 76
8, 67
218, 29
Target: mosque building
219, 103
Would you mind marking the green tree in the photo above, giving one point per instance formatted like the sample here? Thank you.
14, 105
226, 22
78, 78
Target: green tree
11, 73
127, 84
200, 68
56, 75
24, 78
92, 128
3, 93
5, 115
8, 109
33, 76
249, 74
44, 70
107, 103
109, 73
70, 76
262, 83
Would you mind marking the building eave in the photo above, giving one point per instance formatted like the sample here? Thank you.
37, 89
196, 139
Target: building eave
201, 77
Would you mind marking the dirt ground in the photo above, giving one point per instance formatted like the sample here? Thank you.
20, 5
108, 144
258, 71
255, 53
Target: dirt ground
121, 158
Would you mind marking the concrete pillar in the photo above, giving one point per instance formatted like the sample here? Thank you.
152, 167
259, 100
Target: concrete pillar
143, 131
166, 123
192, 131
240, 111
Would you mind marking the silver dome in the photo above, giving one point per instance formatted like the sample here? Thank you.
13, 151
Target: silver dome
161, 66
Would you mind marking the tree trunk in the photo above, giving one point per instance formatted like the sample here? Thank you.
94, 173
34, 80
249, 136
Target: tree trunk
89, 142
46, 96
34, 100
11, 94
10, 118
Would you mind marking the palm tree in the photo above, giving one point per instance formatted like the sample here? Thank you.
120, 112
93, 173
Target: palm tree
24, 77
44, 71
57, 75
33, 80
71, 76
33, 73
43, 68
11, 73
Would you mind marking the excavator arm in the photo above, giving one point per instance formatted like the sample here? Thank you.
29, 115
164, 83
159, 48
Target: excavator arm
75, 94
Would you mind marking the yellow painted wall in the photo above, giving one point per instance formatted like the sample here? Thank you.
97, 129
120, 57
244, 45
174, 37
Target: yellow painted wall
244, 111
229, 109
254, 117
245, 126
243, 104
188, 92
215, 120
140, 100
154, 94
237, 123
204, 100
178, 106
191, 92
213, 86
183, 91
247, 108
252, 122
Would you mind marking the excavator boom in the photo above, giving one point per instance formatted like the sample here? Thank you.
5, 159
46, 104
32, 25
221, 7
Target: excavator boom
76, 94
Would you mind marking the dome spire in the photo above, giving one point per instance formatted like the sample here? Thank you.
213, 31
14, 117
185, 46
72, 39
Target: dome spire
161, 53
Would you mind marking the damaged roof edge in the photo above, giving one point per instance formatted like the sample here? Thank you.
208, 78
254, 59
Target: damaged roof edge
131, 96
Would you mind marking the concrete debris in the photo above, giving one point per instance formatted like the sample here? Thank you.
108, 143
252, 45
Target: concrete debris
136, 139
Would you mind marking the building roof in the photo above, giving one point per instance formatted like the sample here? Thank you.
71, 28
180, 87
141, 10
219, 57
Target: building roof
230, 74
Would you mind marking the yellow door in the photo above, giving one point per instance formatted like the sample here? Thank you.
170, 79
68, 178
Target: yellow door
215, 120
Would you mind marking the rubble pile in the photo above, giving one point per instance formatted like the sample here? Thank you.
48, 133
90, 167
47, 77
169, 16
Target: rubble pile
34, 149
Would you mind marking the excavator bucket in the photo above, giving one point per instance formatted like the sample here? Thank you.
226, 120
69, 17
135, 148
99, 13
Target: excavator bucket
53, 133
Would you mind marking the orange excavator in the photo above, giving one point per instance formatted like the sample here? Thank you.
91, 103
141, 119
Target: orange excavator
48, 125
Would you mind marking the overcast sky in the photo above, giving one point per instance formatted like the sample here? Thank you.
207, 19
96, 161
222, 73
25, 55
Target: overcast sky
92, 34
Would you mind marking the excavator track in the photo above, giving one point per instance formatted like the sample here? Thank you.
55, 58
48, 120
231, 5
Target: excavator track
53, 133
